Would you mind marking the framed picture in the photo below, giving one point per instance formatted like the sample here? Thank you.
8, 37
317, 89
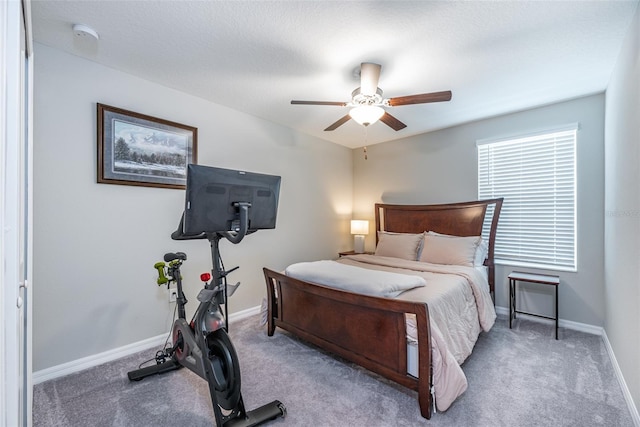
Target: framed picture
134, 149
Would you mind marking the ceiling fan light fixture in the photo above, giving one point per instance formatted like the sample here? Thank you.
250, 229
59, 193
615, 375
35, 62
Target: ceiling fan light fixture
366, 114
367, 102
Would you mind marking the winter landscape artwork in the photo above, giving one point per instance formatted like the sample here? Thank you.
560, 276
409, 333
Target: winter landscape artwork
135, 149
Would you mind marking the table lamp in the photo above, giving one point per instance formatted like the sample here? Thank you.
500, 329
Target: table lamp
359, 228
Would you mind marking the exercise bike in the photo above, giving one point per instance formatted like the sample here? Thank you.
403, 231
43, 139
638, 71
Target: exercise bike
203, 345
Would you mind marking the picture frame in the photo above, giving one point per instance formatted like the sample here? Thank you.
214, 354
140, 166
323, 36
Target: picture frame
136, 149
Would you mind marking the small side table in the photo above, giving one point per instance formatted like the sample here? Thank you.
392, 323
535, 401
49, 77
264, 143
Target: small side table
543, 279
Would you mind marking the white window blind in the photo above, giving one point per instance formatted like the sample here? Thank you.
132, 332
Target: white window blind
536, 175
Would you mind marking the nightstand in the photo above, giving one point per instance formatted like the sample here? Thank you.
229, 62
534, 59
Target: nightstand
345, 253
542, 279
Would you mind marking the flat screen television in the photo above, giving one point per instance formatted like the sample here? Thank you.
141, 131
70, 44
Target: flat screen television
211, 195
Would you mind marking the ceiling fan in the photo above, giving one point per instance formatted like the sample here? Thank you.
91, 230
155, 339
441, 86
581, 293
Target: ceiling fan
367, 101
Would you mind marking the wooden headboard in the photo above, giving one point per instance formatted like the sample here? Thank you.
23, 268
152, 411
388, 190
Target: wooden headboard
458, 219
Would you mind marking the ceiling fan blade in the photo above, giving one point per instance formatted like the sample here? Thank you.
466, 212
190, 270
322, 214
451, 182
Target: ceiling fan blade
392, 122
369, 77
339, 104
422, 98
339, 123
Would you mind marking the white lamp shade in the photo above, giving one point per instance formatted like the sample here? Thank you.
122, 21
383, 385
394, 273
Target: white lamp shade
359, 226
366, 114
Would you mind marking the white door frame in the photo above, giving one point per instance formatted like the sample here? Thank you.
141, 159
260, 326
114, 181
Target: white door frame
16, 84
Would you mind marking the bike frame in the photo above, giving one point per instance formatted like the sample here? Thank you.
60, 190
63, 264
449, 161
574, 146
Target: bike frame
191, 345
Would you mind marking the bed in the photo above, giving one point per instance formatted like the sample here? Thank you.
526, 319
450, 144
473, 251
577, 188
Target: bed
395, 335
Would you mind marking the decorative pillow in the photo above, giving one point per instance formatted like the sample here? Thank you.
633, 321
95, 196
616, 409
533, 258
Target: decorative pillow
481, 251
451, 250
399, 245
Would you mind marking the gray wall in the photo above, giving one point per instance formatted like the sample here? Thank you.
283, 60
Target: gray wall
95, 244
441, 167
622, 210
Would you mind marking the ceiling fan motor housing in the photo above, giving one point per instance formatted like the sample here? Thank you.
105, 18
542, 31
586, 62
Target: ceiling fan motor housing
358, 98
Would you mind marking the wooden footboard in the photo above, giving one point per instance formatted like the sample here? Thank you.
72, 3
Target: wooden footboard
369, 331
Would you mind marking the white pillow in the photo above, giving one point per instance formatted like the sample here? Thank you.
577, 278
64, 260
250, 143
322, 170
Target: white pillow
481, 251
399, 245
450, 250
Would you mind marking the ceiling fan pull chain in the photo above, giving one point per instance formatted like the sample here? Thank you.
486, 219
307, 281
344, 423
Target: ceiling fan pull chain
365, 143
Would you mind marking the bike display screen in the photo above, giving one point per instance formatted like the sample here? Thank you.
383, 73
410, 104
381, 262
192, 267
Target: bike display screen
212, 194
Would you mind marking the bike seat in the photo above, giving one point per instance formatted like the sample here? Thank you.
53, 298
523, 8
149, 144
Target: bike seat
168, 257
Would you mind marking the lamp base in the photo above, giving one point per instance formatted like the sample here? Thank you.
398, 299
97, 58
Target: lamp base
358, 243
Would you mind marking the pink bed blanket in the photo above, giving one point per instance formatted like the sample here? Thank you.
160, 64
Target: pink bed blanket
460, 306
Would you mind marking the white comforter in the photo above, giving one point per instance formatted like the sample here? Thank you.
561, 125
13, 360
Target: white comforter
459, 307
354, 279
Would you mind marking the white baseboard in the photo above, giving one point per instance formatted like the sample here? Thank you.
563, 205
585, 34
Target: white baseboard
96, 359
623, 384
596, 330
569, 324
117, 353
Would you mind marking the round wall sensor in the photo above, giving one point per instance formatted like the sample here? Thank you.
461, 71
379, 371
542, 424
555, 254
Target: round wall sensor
81, 30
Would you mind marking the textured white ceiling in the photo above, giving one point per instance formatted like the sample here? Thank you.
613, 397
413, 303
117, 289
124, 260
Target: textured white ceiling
256, 56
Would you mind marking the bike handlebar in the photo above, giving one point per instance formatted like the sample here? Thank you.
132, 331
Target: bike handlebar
179, 235
232, 236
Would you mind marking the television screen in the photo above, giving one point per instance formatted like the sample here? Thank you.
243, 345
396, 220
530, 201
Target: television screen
212, 192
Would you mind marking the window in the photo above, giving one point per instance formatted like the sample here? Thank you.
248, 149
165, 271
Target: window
536, 175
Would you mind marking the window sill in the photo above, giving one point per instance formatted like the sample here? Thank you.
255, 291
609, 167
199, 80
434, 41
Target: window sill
548, 267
